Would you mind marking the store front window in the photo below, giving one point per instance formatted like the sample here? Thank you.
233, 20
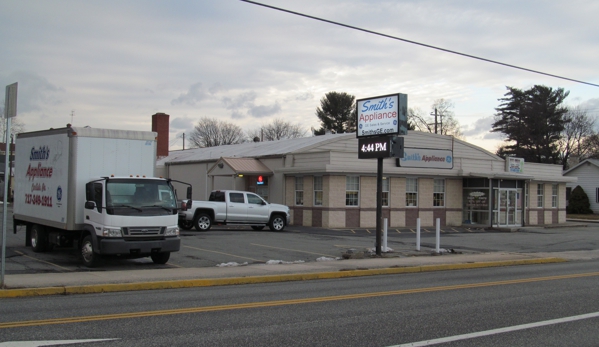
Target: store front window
476, 206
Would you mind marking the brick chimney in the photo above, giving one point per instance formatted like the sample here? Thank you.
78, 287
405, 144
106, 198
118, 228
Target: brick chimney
160, 125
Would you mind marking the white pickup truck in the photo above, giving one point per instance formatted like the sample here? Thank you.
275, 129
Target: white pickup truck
234, 207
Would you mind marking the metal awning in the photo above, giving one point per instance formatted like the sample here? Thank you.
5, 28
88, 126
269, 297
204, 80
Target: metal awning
239, 166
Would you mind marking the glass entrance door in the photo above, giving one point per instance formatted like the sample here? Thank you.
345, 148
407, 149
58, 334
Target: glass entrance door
507, 207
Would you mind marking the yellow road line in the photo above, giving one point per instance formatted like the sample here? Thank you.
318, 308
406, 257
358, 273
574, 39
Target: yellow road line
232, 255
261, 304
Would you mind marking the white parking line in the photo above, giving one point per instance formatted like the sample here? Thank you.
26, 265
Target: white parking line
499, 331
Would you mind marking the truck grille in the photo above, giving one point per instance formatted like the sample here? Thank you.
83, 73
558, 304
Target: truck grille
143, 231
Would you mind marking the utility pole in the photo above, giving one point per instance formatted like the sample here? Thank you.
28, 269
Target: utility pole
435, 120
183, 141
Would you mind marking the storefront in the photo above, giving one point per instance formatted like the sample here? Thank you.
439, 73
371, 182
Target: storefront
324, 183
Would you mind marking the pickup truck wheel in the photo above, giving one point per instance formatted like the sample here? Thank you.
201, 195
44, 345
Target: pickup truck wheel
203, 222
186, 225
277, 223
257, 227
88, 257
160, 258
39, 239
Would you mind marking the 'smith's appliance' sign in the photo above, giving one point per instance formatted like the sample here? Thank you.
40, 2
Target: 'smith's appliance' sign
426, 158
382, 115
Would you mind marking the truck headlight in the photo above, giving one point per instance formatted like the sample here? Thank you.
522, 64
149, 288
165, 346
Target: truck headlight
111, 232
174, 231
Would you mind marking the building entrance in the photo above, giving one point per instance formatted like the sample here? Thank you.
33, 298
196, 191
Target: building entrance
507, 207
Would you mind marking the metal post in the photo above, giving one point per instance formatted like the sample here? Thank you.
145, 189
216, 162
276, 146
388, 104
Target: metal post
379, 203
385, 236
438, 236
5, 206
417, 234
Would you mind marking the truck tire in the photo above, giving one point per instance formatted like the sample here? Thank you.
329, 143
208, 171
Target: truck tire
186, 225
39, 239
202, 222
88, 256
160, 258
277, 223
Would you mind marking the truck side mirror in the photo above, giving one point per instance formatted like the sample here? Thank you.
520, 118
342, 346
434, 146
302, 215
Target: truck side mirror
189, 195
90, 205
90, 193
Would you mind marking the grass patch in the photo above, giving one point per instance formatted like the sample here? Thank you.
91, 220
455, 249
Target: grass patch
583, 216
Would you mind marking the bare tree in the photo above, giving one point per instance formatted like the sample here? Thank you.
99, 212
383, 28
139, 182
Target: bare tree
278, 130
445, 124
16, 126
211, 132
576, 137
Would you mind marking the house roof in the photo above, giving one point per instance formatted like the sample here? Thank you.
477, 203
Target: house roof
590, 161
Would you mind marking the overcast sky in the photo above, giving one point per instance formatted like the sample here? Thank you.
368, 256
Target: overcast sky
112, 64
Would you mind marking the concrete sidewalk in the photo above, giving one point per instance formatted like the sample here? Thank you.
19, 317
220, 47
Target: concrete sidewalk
112, 281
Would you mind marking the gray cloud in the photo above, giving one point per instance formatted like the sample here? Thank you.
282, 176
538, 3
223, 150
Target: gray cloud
182, 123
262, 111
244, 100
482, 128
35, 92
194, 95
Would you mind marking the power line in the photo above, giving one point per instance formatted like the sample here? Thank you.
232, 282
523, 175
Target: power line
419, 43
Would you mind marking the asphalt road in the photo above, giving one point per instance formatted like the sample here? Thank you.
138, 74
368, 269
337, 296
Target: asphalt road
547, 305
238, 244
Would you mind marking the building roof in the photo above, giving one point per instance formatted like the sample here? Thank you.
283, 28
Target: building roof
590, 161
249, 149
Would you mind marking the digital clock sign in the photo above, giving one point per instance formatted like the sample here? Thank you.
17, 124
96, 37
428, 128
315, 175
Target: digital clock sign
374, 147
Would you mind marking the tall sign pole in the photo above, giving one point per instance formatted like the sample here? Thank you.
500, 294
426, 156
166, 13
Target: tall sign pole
377, 118
10, 110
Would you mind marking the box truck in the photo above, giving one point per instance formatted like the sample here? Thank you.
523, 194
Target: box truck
94, 189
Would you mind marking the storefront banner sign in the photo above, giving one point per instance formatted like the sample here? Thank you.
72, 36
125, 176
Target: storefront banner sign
514, 165
382, 115
426, 158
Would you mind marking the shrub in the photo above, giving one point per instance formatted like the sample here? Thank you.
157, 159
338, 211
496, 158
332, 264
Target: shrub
579, 202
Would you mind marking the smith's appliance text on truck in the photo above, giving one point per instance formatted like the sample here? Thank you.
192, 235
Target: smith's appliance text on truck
94, 188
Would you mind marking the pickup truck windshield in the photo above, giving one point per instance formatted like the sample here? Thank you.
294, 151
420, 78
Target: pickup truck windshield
139, 197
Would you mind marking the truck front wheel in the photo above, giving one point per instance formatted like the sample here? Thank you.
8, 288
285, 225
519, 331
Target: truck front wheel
160, 258
203, 222
88, 257
277, 223
39, 238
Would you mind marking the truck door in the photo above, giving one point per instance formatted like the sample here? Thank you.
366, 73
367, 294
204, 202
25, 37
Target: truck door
95, 216
236, 207
257, 209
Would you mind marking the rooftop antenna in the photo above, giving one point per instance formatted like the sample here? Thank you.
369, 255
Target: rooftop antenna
72, 115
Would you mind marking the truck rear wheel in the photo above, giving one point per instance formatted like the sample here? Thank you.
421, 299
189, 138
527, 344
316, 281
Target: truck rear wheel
88, 257
277, 223
39, 239
160, 258
202, 222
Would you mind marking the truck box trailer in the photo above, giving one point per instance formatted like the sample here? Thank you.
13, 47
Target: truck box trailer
95, 189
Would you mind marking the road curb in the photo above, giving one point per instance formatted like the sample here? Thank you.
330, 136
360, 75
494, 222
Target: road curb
211, 282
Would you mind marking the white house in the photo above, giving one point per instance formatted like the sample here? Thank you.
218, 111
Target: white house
587, 173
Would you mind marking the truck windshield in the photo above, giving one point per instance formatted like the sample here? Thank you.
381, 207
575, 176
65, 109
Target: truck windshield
135, 196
